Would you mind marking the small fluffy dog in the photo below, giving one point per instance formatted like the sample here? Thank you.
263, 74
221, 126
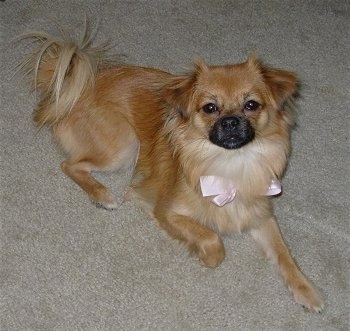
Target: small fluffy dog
208, 147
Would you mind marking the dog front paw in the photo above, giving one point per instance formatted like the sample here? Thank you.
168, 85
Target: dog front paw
211, 252
307, 295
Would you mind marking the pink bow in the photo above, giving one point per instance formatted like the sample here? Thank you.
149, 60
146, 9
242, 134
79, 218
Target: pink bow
225, 191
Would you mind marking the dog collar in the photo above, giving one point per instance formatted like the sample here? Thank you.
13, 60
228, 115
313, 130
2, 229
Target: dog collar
224, 190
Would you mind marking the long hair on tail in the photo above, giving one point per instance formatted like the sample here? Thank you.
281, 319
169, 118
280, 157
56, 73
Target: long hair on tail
60, 70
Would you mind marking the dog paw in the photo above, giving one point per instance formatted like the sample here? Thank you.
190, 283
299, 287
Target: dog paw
105, 200
107, 206
308, 296
211, 252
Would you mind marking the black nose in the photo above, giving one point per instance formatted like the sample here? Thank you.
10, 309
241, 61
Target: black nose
229, 122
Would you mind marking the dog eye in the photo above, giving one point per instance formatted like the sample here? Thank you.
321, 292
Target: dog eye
210, 108
251, 105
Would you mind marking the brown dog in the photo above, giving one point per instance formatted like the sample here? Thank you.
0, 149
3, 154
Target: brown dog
208, 146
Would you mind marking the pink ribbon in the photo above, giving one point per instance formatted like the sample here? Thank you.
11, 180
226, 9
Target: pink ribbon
224, 190
274, 188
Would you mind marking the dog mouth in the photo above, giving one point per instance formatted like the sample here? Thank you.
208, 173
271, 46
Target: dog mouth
233, 142
231, 132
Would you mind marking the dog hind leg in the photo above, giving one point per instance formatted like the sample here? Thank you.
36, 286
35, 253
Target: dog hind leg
80, 173
106, 144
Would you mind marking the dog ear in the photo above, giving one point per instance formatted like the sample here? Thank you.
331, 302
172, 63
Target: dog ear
179, 90
282, 84
178, 93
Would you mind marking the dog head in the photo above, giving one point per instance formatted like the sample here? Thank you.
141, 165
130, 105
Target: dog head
232, 105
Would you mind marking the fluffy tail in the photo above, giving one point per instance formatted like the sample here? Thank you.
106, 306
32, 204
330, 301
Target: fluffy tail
61, 70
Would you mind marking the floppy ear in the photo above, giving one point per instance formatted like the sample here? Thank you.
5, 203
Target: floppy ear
178, 93
179, 90
281, 83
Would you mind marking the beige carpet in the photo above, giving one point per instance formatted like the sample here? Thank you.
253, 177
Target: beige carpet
67, 265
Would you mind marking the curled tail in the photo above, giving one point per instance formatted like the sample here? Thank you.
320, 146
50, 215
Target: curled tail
60, 70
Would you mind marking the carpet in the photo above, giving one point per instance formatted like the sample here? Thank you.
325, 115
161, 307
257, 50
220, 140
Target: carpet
67, 265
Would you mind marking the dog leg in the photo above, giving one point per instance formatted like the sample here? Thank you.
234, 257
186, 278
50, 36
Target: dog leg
198, 238
269, 237
107, 143
80, 172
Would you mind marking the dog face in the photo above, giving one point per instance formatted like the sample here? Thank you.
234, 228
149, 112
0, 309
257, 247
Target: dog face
232, 105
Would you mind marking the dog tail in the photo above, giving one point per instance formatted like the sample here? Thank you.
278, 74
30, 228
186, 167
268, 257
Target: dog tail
60, 70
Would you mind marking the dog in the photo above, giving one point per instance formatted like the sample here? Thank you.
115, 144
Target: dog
208, 147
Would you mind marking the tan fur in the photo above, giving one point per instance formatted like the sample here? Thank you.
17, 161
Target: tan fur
108, 118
